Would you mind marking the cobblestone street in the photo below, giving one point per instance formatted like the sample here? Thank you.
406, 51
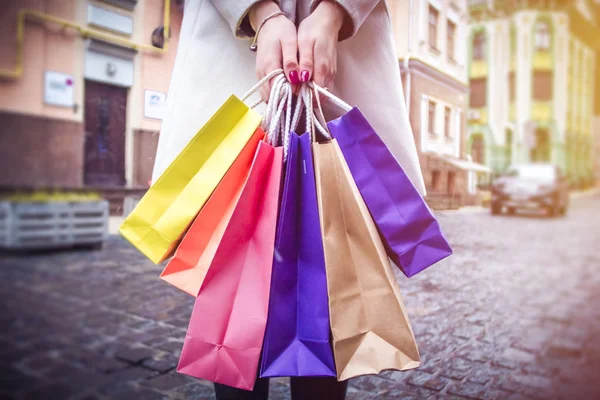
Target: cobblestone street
514, 314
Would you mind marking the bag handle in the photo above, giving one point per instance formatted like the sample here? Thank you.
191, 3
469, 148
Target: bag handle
264, 80
273, 102
335, 100
280, 101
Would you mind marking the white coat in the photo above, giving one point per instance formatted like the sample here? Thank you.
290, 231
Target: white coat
213, 61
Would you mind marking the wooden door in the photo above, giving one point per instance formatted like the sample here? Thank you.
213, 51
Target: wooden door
105, 113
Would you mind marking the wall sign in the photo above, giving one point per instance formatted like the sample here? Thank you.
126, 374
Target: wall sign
154, 104
59, 89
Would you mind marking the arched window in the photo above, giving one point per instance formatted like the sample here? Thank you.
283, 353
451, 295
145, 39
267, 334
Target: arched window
479, 46
542, 36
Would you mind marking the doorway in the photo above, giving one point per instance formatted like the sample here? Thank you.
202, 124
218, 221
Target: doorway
541, 151
105, 128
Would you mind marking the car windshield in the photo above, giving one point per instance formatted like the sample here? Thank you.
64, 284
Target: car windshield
533, 172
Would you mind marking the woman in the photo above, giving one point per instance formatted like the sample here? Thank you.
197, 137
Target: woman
343, 45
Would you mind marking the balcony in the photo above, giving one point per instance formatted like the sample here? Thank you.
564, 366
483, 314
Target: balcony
479, 69
478, 116
512, 111
542, 61
541, 111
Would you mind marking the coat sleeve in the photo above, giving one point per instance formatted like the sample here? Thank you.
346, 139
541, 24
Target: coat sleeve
235, 12
357, 12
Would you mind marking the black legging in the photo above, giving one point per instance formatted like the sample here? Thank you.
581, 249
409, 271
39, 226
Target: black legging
302, 389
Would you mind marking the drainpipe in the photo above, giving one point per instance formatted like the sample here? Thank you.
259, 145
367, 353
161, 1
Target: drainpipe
83, 31
407, 58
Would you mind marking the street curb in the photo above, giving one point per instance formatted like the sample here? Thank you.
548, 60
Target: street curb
584, 193
463, 210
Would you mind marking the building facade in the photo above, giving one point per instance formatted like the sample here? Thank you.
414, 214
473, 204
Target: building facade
532, 71
431, 46
82, 86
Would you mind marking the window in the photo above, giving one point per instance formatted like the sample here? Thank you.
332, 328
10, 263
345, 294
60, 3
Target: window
433, 23
513, 39
478, 149
431, 117
542, 36
435, 179
508, 142
479, 46
451, 182
478, 97
447, 122
512, 86
450, 40
542, 85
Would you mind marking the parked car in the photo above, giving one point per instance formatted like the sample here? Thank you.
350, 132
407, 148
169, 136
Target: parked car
531, 186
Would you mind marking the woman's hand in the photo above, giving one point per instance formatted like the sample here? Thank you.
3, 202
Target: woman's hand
317, 43
277, 45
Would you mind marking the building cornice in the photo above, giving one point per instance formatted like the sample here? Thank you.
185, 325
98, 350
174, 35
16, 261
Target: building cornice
423, 68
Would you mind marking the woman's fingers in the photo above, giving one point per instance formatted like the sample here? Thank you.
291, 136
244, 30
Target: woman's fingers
325, 64
277, 49
289, 52
306, 50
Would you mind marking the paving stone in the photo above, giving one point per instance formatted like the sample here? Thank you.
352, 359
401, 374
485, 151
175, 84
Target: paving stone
54, 391
427, 381
161, 365
169, 381
172, 346
132, 374
141, 394
196, 391
468, 390
371, 384
565, 349
135, 354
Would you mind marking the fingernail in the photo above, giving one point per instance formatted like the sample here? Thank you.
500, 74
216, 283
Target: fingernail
294, 77
305, 76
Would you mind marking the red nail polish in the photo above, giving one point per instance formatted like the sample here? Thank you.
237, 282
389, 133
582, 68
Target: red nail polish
294, 77
305, 76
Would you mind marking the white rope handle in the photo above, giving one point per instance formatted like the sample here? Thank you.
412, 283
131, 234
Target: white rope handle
273, 102
321, 124
277, 125
336, 100
297, 111
264, 80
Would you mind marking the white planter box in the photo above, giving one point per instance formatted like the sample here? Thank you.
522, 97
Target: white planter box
44, 225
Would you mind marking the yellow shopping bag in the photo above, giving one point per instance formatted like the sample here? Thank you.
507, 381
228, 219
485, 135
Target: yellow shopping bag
164, 214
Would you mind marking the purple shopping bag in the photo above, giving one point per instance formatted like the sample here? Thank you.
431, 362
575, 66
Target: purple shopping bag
409, 230
297, 334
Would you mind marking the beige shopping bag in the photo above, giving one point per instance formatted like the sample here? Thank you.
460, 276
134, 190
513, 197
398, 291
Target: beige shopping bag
369, 324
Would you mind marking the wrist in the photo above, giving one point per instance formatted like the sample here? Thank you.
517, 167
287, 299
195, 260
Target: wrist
333, 12
260, 11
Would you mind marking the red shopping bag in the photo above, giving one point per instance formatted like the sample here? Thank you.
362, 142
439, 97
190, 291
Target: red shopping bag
226, 330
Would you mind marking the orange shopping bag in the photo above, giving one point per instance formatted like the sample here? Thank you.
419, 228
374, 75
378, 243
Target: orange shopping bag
189, 265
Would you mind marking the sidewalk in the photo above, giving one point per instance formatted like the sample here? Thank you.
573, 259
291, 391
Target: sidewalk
512, 315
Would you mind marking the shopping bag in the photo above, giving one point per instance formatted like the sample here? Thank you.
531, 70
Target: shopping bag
226, 331
164, 213
188, 267
370, 328
297, 334
409, 230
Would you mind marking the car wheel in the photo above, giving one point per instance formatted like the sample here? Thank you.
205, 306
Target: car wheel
554, 209
496, 209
